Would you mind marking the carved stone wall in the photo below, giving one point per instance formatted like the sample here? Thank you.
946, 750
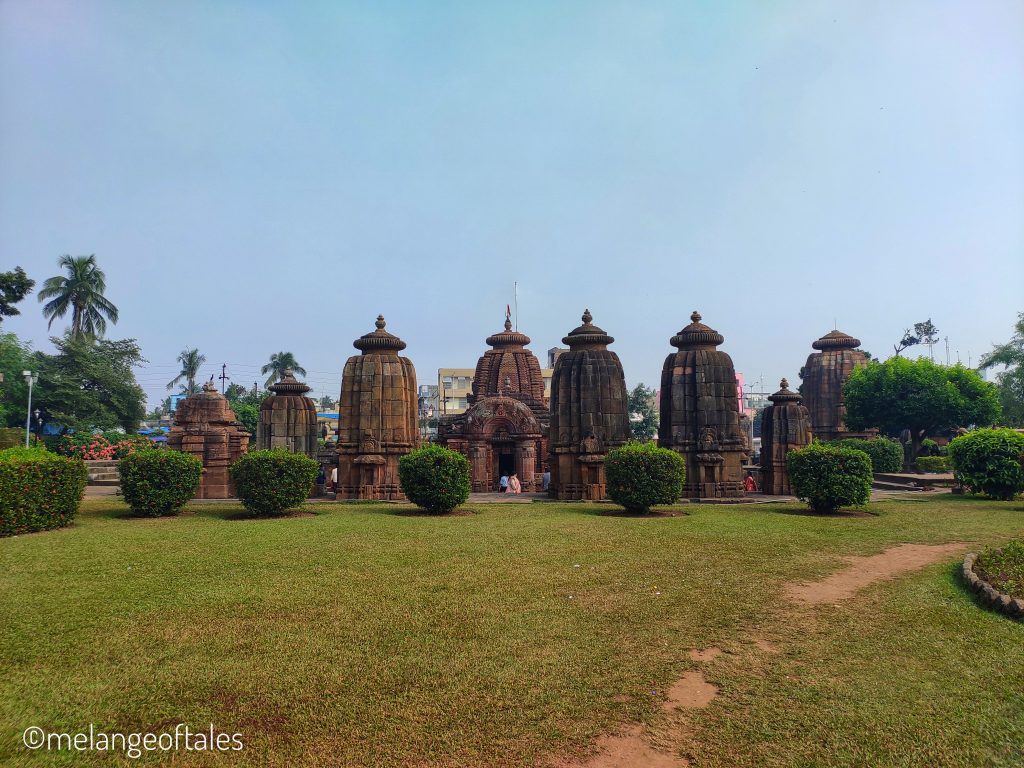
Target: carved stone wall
824, 375
288, 418
785, 425
589, 413
377, 418
700, 415
205, 426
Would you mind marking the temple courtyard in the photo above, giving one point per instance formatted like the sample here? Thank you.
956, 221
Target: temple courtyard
535, 634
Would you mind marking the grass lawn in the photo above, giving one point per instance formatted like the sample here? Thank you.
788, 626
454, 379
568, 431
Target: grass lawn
362, 636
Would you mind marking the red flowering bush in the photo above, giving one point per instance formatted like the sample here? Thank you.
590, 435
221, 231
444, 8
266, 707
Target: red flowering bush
38, 490
90, 447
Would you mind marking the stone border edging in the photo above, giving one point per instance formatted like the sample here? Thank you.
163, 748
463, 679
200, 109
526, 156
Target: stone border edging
989, 595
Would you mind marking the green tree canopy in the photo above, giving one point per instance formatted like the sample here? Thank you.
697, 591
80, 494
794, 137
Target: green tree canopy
920, 396
643, 413
14, 286
80, 290
15, 357
1010, 380
90, 384
279, 363
191, 361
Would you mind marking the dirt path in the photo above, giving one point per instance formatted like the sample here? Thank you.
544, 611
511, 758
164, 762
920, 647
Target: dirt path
864, 571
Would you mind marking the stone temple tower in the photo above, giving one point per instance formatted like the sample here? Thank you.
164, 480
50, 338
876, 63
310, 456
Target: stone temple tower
824, 375
288, 418
376, 417
589, 413
785, 425
700, 414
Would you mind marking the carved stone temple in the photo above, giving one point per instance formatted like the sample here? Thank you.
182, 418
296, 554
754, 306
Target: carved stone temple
376, 417
700, 415
288, 418
785, 425
824, 375
205, 426
505, 428
589, 413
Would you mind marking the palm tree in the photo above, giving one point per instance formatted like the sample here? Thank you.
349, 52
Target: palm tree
81, 291
191, 361
279, 363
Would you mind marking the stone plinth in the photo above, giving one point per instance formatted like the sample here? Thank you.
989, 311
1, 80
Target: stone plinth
376, 417
824, 375
288, 418
589, 413
700, 416
205, 426
505, 428
785, 425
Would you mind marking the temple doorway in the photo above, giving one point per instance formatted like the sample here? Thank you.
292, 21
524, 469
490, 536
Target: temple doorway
506, 460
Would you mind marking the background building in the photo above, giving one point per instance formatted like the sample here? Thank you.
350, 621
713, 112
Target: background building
455, 385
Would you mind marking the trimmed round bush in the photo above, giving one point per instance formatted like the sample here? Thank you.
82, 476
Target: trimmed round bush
932, 464
988, 461
829, 477
434, 478
39, 490
642, 475
159, 482
271, 482
885, 453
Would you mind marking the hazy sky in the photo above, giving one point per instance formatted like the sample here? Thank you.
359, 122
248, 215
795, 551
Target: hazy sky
265, 176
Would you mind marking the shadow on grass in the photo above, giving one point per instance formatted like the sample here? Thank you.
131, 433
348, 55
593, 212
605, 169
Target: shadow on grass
610, 510
237, 512
803, 511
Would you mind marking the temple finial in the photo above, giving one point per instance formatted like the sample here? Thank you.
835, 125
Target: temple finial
695, 317
783, 384
587, 317
380, 322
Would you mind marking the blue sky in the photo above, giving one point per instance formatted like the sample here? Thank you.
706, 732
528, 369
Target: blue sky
265, 176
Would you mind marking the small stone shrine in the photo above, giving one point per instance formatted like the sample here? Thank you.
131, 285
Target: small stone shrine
288, 418
589, 413
785, 425
700, 414
205, 426
824, 375
376, 417
505, 428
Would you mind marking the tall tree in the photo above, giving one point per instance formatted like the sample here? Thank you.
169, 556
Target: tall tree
14, 286
919, 396
80, 290
279, 363
326, 403
643, 413
1011, 379
923, 333
191, 361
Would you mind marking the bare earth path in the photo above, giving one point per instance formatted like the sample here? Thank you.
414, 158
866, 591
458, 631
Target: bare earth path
634, 748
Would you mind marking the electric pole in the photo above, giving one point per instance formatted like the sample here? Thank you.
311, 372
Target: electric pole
224, 378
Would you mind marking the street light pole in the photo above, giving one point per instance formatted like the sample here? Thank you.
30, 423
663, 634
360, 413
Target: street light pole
31, 379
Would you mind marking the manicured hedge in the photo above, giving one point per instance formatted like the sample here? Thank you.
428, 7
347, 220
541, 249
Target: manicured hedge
38, 490
434, 478
272, 482
828, 477
988, 461
159, 482
932, 464
885, 453
642, 475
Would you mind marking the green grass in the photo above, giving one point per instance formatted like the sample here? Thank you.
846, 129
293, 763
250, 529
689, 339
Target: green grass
359, 636
1003, 568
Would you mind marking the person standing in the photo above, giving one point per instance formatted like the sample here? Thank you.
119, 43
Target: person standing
546, 482
503, 483
514, 485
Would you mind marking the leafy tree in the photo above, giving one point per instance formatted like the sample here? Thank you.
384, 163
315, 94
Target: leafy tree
643, 413
279, 363
924, 333
15, 357
191, 361
80, 291
326, 403
920, 396
90, 384
247, 414
235, 392
1010, 380
14, 286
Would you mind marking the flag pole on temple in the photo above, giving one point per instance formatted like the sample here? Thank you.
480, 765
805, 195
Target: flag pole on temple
515, 288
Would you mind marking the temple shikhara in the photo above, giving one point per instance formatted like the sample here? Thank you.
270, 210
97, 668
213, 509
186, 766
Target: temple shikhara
589, 413
505, 428
700, 414
205, 426
824, 375
785, 426
376, 417
288, 418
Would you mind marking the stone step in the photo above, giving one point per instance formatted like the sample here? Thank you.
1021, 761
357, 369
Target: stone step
104, 476
101, 463
115, 482
885, 485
